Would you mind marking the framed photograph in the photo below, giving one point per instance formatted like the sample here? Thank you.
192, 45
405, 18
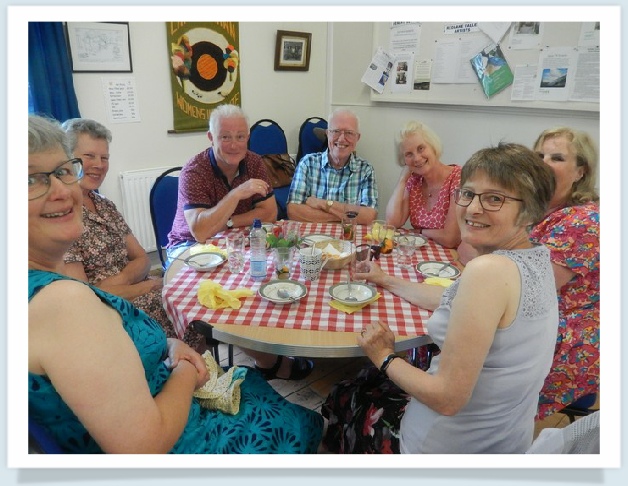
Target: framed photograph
99, 47
292, 51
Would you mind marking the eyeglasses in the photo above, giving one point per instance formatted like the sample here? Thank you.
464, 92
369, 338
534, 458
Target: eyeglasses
69, 172
490, 201
349, 134
239, 138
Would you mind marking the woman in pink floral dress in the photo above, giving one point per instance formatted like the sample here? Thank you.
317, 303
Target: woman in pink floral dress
571, 230
107, 254
424, 192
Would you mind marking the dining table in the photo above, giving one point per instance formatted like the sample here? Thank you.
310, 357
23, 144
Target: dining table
309, 327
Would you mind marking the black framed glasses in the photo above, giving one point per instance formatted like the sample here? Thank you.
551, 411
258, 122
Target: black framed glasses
68, 172
349, 134
490, 201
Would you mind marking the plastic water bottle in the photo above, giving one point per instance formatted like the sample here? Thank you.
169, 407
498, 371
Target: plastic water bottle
257, 239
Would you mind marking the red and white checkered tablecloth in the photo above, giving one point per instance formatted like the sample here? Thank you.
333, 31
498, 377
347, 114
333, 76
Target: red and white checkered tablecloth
312, 312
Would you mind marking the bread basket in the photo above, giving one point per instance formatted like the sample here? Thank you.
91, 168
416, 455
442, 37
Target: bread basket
338, 252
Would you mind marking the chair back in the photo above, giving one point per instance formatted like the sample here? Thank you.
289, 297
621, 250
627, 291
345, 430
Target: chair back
267, 137
308, 140
40, 441
163, 207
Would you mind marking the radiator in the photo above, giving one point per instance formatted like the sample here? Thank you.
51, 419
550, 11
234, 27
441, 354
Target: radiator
136, 186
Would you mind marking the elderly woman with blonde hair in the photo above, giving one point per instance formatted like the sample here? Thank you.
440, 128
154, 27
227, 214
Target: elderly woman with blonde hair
425, 189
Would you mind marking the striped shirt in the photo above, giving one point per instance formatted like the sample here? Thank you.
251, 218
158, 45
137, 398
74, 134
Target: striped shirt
315, 176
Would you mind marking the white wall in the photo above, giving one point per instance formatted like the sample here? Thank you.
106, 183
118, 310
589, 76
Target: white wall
289, 97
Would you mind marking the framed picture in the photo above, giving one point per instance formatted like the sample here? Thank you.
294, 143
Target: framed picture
99, 47
292, 51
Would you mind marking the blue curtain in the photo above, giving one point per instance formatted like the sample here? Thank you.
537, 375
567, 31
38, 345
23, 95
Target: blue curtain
50, 84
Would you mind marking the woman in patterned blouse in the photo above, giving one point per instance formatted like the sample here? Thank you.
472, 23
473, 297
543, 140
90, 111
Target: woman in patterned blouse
424, 192
571, 230
107, 254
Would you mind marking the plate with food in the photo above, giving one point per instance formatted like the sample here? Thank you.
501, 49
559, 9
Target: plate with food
283, 291
356, 293
432, 268
205, 262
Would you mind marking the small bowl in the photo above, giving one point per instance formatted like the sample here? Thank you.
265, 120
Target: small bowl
362, 292
205, 262
337, 255
438, 269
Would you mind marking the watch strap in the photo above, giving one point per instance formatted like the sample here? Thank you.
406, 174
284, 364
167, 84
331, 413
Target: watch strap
386, 363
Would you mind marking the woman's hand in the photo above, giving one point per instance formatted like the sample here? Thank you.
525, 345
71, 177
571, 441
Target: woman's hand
377, 341
371, 272
179, 351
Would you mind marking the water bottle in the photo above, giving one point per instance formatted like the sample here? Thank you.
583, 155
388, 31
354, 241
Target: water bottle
257, 239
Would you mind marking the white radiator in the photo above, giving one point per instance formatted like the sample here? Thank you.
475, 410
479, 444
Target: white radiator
136, 186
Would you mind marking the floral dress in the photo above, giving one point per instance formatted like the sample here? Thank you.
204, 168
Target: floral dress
420, 215
573, 237
266, 422
102, 251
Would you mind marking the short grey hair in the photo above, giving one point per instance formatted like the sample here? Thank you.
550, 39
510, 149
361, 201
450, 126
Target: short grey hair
226, 111
344, 111
78, 126
46, 134
418, 128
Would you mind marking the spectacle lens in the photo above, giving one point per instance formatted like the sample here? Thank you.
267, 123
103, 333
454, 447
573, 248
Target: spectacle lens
69, 172
490, 201
349, 134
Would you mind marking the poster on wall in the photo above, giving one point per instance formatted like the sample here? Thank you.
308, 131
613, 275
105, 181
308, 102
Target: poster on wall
204, 62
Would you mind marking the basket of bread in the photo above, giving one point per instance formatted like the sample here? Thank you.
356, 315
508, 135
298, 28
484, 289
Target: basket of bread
338, 253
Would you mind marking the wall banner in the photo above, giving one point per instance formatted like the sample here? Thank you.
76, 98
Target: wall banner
204, 62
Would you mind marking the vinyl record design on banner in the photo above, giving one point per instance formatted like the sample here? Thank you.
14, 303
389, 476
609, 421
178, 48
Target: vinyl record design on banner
205, 64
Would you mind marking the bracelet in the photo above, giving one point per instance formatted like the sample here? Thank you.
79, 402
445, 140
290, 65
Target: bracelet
387, 360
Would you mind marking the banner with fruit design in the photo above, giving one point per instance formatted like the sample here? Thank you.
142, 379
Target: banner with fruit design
204, 62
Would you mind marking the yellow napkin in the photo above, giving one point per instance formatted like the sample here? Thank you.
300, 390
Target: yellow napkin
443, 282
214, 296
350, 309
207, 248
222, 390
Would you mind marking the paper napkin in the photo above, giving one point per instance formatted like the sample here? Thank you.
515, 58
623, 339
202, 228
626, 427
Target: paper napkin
443, 282
350, 309
214, 296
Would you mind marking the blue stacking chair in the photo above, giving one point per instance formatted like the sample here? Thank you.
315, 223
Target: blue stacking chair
267, 137
581, 407
163, 207
308, 140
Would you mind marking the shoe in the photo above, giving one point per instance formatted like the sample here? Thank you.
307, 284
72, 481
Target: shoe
301, 368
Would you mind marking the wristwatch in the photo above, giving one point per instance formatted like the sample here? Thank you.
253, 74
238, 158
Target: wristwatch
230, 223
330, 203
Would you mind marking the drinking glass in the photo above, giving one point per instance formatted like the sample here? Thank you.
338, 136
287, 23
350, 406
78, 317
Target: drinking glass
359, 262
235, 252
283, 260
405, 251
382, 236
348, 226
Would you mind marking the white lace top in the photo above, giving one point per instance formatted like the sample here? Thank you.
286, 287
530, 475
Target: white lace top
499, 417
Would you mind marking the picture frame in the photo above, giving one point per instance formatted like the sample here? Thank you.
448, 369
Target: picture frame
99, 47
292, 51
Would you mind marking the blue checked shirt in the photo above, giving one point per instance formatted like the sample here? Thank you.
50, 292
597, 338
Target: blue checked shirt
354, 183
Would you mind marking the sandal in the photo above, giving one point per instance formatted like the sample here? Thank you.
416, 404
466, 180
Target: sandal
301, 368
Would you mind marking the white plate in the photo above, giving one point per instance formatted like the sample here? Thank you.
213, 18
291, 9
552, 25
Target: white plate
437, 269
311, 239
269, 291
205, 262
268, 227
362, 292
419, 240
